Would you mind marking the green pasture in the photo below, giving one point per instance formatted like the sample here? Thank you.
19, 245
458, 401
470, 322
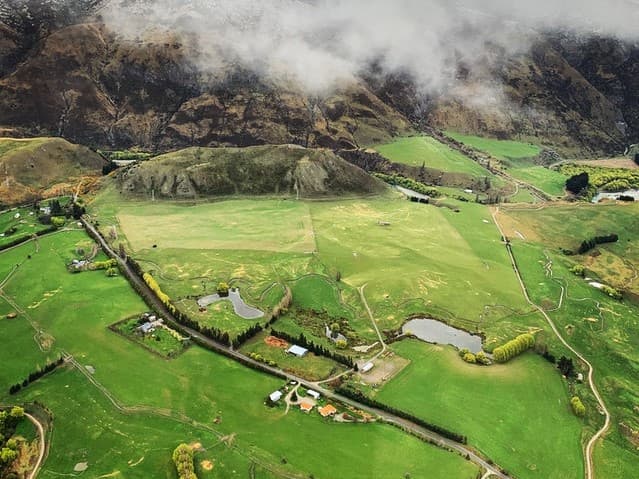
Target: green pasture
199, 385
421, 262
518, 414
501, 149
606, 331
427, 151
547, 180
566, 226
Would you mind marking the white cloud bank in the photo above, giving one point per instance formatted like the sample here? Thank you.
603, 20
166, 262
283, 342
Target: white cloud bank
320, 44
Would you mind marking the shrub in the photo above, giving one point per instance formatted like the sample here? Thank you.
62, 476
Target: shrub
579, 270
58, 221
223, 289
183, 460
469, 358
577, 406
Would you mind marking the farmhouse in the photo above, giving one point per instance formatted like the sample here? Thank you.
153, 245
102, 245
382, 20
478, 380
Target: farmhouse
275, 396
328, 410
313, 394
298, 351
306, 406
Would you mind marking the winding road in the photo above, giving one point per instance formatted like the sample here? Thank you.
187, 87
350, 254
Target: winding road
590, 474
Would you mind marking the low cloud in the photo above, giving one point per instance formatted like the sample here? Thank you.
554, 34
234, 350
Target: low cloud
319, 45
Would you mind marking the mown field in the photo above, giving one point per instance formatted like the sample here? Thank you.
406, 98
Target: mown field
606, 331
427, 151
76, 309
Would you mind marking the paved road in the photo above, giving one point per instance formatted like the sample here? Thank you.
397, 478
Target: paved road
590, 474
225, 350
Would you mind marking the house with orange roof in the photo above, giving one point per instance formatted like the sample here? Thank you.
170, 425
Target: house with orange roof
306, 406
328, 410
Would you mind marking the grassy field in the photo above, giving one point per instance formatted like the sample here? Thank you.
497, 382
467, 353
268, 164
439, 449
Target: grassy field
516, 158
549, 181
605, 330
414, 266
427, 151
501, 149
212, 390
275, 225
523, 401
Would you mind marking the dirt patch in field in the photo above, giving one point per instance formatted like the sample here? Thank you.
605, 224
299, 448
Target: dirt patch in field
207, 465
386, 367
515, 229
196, 446
275, 342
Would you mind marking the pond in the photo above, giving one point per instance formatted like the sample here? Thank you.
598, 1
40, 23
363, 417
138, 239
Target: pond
433, 331
239, 306
606, 195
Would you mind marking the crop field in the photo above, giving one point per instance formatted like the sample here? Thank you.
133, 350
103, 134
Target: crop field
500, 149
427, 151
603, 329
222, 395
493, 403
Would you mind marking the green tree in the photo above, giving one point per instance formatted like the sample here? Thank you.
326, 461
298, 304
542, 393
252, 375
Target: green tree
17, 412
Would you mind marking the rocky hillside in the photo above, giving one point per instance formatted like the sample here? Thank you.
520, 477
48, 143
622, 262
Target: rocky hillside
286, 170
64, 73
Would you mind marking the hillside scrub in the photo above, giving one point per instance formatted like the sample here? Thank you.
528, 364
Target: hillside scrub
513, 348
409, 183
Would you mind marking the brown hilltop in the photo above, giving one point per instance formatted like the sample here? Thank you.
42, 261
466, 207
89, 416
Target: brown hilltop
286, 170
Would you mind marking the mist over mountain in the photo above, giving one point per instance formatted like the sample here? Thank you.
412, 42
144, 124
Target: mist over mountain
166, 73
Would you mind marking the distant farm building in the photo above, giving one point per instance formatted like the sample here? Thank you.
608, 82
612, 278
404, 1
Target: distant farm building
328, 410
275, 396
298, 351
306, 406
367, 367
313, 394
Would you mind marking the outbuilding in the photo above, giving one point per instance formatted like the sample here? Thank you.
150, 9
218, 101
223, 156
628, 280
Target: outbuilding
313, 394
275, 396
367, 367
298, 351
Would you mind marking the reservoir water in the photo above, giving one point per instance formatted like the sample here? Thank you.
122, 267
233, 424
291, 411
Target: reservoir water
433, 331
